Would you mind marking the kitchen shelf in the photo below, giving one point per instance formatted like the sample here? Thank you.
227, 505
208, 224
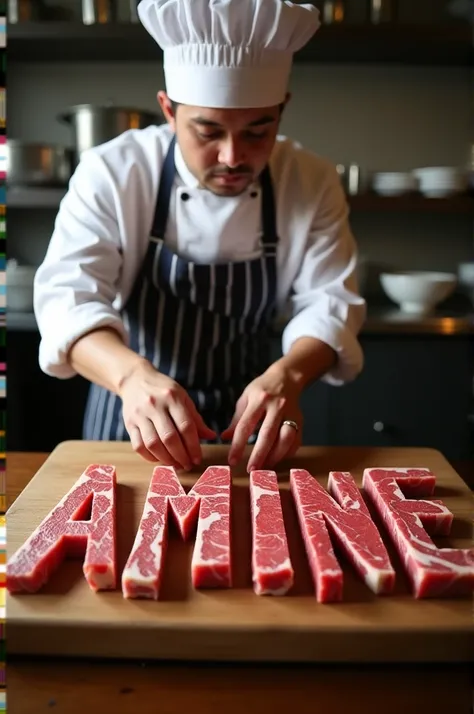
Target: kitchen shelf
21, 322
38, 197
34, 197
414, 203
422, 44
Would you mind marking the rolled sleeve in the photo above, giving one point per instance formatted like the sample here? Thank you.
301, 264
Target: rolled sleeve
325, 301
64, 329
334, 333
76, 285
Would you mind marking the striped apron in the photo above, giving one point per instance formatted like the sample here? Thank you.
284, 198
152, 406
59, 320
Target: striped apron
205, 326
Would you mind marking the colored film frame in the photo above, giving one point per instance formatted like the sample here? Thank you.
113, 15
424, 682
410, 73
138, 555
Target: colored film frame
3, 366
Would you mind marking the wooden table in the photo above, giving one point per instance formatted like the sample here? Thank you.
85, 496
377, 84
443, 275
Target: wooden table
74, 687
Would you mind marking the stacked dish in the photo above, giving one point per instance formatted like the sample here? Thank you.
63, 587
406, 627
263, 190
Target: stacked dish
394, 183
441, 181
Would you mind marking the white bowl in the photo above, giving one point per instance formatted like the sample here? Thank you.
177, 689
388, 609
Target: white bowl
466, 279
438, 182
418, 292
394, 177
440, 192
19, 274
20, 298
394, 183
439, 173
20, 282
466, 274
387, 191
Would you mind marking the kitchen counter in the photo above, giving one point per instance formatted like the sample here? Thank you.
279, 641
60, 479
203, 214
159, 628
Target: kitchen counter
71, 686
383, 320
387, 320
379, 321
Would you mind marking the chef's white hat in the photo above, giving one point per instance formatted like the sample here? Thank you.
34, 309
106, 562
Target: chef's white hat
228, 53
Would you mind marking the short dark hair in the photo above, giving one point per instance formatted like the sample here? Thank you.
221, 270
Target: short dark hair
175, 105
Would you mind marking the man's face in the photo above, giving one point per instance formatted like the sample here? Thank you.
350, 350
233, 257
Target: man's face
225, 149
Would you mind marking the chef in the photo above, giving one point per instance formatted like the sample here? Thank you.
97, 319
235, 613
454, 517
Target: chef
177, 245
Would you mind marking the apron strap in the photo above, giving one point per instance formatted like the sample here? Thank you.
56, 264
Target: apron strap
164, 193
270, 236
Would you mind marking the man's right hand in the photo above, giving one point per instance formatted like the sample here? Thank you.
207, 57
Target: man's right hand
161, 419
163, 423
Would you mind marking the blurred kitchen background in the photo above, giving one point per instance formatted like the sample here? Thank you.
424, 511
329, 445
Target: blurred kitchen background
384, 89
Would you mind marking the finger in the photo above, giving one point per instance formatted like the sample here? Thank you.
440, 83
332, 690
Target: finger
169, 436
205, 432
147, 432
294, 448
246, 426
287, 440
267, 438
187, 427
227, 434
240, 407
202, 429
138, 446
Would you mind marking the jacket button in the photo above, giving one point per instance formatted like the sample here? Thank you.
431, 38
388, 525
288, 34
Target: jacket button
185, 196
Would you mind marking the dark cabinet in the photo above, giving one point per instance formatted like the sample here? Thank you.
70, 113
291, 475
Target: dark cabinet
413, 391
41, 410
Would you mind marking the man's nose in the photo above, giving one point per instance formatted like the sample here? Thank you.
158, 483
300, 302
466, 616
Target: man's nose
231, 153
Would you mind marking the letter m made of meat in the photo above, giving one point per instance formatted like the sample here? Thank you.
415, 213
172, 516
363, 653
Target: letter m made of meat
208, 502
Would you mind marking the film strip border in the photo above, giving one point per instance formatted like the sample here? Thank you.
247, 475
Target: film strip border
3, 545
3, 560
3, 360
3, 460
3, 287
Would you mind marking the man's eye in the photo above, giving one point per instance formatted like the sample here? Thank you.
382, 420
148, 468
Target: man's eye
214, 135
251, 135
254, 135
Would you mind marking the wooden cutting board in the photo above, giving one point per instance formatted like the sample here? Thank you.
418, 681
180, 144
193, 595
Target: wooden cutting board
67, 618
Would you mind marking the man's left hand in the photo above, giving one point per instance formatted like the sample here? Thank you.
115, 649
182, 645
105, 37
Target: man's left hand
270, 399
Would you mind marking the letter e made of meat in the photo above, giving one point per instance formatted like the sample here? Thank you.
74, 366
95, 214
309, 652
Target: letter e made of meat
62, 533
272, 572
433, 571
351, 526
208, 502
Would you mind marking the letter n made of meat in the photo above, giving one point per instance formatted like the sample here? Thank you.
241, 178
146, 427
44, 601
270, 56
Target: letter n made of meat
349, 522
65, 531
208, 502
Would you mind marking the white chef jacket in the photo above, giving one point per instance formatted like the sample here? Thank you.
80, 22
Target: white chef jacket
102, 231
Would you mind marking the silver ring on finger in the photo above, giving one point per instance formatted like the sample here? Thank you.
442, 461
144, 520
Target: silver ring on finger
290, 423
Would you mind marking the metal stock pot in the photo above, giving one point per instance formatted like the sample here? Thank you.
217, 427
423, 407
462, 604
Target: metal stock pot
34, 164
95, 124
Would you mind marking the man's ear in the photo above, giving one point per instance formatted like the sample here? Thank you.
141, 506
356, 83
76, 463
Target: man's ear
284, 103
166, 107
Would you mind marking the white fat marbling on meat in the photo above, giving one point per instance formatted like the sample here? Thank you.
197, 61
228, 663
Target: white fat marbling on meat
133, 572
403, 535
204, 524
257, 493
